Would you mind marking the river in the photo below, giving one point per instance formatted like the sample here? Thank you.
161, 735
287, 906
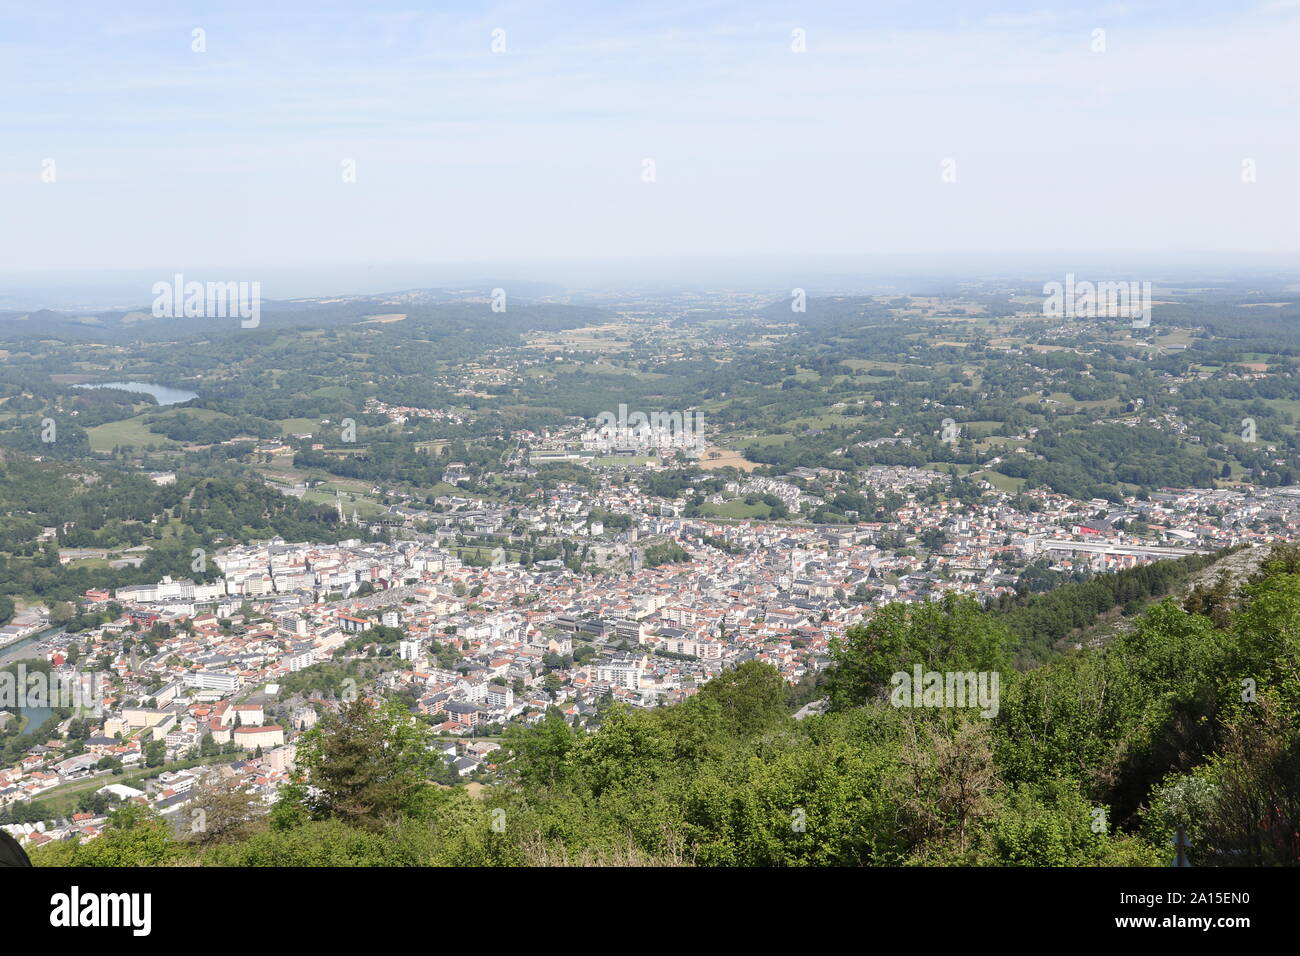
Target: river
15, 652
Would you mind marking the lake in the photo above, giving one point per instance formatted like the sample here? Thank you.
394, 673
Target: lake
161, 393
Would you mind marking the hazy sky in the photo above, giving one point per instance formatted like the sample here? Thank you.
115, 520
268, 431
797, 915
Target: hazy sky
166, 159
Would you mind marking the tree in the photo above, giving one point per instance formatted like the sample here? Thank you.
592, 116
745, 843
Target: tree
953, 634
155, 753
750, 698
135, 836
366, 764
1052, 824
62, 612
1254, 812
1269, 630
220, 812
948, 779
290, 810
629, 753
537, 754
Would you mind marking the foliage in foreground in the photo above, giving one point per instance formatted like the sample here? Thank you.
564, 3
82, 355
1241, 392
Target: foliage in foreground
1092, 759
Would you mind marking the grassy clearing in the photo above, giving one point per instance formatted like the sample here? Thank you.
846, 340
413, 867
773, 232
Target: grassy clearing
129, 431
736, 509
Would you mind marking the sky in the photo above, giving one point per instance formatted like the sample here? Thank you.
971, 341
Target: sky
904, 131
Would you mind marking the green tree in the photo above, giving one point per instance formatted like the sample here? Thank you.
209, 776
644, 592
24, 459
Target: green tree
366, 764
953, 634
538, 754
134, 836
750, 698
155, 753
220, 812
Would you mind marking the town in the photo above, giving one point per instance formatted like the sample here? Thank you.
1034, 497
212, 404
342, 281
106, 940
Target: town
222, 675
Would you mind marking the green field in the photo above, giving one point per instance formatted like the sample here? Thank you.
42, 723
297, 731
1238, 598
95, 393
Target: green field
366, 507
1002, 482
736, 509
298, 426
129, 431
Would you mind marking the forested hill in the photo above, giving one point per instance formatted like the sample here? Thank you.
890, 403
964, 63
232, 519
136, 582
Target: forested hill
1042, 624
1191, 719
100, 507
